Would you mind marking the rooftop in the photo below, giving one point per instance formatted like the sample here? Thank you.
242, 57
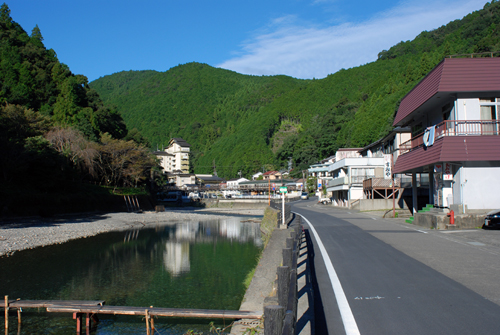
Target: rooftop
469, 77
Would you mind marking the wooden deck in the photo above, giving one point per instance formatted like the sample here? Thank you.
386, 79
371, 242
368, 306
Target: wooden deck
156, 311
91, 308
50, 303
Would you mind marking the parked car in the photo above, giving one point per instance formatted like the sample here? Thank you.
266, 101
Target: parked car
492, 220
325, 200
304, 196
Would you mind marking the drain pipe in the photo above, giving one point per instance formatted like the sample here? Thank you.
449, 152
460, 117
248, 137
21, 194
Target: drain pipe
463, 181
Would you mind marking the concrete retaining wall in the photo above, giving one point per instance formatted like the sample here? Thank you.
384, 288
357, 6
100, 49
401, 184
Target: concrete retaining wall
441, 221
235, 203
376, 204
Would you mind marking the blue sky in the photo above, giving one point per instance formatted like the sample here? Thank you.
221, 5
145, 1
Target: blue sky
300, 38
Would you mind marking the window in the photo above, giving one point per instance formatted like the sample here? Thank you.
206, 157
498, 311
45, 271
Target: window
489, 110
447, 112
417, 129
360, 174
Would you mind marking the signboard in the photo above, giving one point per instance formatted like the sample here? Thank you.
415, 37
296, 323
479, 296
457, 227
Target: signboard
387, 167
283, 189
438, 168
447, 172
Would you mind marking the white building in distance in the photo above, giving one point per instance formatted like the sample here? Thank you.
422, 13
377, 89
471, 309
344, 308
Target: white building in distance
175, 158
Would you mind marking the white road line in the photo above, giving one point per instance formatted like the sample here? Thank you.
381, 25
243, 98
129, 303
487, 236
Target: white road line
420, 231
350, 326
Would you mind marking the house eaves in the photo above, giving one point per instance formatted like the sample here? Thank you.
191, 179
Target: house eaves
474, 77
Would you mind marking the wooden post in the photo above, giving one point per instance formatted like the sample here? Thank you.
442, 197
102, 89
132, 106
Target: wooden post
289, 323
273, 319
78, 317
152, 320
283, 284
269, 192
287, 257
6, 312
88, 322
147, 322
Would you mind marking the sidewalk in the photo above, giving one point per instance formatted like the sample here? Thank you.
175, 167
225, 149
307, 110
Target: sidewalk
262, 286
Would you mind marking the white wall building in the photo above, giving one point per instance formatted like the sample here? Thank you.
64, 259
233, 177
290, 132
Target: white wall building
175, 158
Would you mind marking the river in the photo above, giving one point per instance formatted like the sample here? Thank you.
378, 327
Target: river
193, 264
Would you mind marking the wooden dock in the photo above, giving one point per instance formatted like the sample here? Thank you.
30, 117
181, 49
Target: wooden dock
91, 309
156, 311
50, 303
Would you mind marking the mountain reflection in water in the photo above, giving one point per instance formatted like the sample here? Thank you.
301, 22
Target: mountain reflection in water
176, 265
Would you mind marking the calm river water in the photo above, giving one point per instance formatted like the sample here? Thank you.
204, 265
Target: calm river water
185, 265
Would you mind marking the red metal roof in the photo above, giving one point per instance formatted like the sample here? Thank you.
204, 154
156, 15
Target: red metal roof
451, 149
452, 75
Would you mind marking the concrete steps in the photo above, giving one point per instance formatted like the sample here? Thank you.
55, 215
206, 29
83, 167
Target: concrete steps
426, 209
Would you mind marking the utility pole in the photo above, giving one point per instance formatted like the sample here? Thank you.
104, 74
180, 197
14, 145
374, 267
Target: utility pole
304, 183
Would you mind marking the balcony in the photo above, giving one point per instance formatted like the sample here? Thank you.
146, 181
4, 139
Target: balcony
454, 128
338, 181
372, 183
381, 188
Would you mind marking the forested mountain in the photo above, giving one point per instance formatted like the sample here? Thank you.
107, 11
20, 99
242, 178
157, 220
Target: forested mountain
245, 122
56, 134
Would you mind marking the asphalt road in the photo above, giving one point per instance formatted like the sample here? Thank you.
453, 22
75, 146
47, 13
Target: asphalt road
397, 278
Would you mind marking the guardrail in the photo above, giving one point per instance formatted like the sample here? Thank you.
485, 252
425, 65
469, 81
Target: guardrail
278, 205
281, 318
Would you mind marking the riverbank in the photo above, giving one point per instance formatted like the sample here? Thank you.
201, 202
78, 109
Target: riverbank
32, 232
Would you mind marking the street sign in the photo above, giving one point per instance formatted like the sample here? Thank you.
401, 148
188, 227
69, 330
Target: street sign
283, 189
447, 172
387, 167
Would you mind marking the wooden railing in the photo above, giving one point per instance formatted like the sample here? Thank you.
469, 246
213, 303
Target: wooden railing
281, 318
454, 128
368, 184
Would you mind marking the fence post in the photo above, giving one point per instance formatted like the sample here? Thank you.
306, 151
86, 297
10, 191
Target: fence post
289, 324
287, 257
273, 319
6, 312
283, 285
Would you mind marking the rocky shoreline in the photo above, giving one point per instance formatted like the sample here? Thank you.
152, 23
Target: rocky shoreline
28, 233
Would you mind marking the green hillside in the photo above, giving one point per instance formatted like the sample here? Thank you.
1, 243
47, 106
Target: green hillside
245, 122
57, 137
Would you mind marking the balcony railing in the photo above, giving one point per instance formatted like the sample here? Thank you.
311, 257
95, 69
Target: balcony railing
454, 128
338, 181
368, 184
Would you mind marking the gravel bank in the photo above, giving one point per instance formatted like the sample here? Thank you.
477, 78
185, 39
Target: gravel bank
20, 234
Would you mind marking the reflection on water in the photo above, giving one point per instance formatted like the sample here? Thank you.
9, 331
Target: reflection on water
177, 265
176, 257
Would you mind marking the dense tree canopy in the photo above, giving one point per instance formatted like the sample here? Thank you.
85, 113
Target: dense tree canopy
55, 131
